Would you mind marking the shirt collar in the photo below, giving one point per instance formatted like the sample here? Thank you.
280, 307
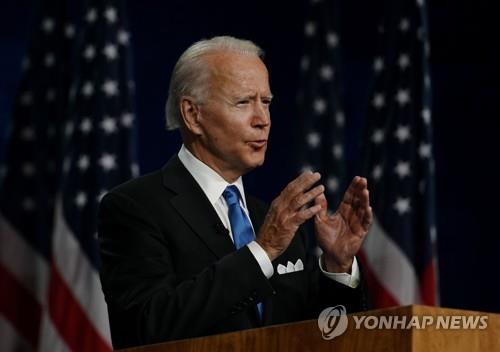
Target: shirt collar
212, 184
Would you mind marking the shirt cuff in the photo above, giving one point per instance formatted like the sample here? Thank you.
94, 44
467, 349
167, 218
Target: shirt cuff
351, 280
262, 258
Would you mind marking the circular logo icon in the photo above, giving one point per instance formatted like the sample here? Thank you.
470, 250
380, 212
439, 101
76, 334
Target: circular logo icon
332, 322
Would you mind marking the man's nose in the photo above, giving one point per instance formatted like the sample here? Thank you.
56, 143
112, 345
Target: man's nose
261, 116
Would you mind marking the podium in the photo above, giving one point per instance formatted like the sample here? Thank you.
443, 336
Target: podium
408, 328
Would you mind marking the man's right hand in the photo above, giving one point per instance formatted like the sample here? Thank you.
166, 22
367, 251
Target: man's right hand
288, 211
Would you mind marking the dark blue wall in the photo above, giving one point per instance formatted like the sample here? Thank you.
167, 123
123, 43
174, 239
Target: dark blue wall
465, 68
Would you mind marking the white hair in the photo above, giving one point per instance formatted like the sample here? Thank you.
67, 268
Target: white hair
191, 73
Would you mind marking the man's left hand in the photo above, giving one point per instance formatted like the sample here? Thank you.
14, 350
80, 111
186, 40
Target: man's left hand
341, 235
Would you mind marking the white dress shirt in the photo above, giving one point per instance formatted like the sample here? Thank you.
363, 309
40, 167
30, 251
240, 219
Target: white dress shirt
213, 185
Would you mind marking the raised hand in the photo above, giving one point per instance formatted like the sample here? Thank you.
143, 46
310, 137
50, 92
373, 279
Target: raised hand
341, 235
287, 212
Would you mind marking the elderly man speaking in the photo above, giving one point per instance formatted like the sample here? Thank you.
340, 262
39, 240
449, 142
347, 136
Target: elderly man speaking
186, 252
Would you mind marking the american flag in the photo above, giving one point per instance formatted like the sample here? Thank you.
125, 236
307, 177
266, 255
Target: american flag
400, 250
71, 141
321, 118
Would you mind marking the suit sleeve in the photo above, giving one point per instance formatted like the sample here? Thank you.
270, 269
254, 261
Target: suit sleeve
146, 301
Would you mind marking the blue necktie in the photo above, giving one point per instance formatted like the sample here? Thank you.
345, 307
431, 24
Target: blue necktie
240, 225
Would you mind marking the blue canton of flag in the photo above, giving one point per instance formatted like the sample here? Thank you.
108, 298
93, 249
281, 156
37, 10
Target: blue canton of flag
400, 252
72, 139
321, 120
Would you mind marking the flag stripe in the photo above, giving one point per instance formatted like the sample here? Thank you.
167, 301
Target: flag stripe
11, 339
63, 307
78, 274
16, 303
22, 261
380, 296
387, 261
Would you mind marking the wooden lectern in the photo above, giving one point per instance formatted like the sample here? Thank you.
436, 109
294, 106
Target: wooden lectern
304, 336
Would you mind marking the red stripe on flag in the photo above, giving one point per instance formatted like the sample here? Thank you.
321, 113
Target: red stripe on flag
428, 287
19, 307
379, 296
70, 319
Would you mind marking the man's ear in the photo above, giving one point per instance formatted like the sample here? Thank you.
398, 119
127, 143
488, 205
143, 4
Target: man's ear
190, 112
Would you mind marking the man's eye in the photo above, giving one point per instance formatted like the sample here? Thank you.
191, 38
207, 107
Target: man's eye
242, 102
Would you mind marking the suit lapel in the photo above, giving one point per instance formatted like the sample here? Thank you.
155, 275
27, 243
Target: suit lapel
195, 208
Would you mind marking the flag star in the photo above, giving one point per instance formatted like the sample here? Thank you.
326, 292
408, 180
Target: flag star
131, 85
81, 199
28, 134
51, 94
89, 52
69, 31
48, 25
402, 133
26, 99
28, 204
332, 39
49, 60
338, 151
134, 168
404, 61
108, 124
433, 233
91, 16
110, 15
88, 89
83, 162
402, 169
28, 169
326, 72
304, 63
340, 118
378, 101
402, 205
319, 106
378, 64
378, 136
313, 139
123, 37
110, 88
424, 150
107, 162
68, 129
310, 29
332, 184
420, 3
86, 125
427, 81
380, 28
403, 97
377, 172
404, 25
426, 115
127, 119
110, 51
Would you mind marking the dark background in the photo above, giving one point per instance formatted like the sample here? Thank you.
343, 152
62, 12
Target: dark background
466, 96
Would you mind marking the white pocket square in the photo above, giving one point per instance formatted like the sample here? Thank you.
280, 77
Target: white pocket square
290, 267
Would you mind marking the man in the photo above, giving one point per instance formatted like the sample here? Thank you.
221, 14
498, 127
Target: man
185, 252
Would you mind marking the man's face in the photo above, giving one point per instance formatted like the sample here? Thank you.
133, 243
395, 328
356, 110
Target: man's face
234, 119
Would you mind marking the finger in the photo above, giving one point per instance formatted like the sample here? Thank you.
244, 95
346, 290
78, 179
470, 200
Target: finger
302, 183
305, 214
368, 219
354, 197
321, 200
302, 199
